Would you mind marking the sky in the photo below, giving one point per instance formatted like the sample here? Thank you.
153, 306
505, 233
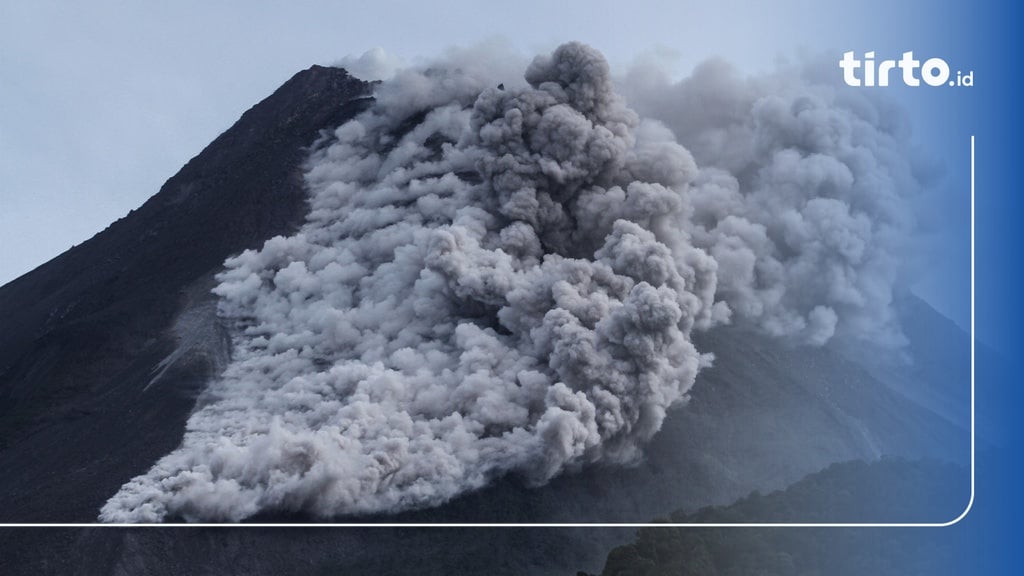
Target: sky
101, 103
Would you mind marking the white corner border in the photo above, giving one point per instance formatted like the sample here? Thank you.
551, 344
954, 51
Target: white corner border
966, 511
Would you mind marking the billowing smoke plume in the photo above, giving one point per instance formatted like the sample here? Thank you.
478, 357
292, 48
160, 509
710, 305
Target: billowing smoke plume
374, 64
504, 279
801, 198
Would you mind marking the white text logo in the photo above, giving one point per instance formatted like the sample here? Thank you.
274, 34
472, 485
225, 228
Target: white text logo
933, 71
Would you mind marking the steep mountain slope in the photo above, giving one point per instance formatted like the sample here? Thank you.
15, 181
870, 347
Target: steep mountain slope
84, 334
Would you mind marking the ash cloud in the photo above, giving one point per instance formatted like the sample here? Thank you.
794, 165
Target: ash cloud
374, 64
505, 280
802, 196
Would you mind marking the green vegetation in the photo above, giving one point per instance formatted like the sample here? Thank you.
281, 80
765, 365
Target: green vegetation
889, 490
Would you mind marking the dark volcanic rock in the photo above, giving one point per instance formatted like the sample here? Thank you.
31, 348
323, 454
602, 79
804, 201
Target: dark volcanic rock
84, 332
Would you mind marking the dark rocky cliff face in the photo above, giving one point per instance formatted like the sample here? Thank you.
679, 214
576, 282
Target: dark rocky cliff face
106, 347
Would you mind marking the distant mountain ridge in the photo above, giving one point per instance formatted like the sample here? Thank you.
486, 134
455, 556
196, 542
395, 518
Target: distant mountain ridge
890, 490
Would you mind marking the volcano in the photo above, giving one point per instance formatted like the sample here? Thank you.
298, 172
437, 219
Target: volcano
108, 347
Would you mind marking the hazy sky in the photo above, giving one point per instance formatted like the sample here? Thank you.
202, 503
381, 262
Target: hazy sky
101, 102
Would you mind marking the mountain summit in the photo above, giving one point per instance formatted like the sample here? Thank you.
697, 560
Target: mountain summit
86, 333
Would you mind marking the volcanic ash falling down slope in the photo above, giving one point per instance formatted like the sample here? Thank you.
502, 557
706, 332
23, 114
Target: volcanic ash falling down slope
500, 280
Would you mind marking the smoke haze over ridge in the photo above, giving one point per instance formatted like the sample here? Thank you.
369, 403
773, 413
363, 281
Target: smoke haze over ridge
505, 280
